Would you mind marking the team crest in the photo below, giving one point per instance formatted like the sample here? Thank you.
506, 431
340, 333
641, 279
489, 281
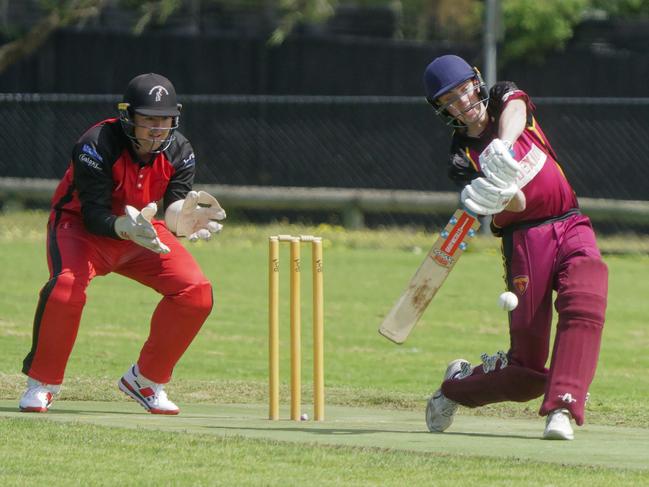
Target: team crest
520, 284
159, 91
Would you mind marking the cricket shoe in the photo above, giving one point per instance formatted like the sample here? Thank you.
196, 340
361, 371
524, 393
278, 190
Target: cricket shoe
557, 426
440, 409
38, 396
149, 394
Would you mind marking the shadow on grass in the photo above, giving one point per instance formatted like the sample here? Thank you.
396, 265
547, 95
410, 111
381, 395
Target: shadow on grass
490, 435
67, 412
343, 431
94, 412
206, 421
319, 431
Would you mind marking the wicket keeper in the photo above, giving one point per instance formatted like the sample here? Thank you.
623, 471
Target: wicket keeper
507, 168
102, 220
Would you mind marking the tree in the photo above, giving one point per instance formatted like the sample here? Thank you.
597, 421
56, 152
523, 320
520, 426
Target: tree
151, 11
532, 29
59, 14
63, 13
451, 20
622, 8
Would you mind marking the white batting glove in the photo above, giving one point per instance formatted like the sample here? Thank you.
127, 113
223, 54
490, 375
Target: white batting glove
485, 198
136, 226
195, 217
498, 165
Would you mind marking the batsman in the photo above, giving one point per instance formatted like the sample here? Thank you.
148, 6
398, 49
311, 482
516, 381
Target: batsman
507, 168
103, 220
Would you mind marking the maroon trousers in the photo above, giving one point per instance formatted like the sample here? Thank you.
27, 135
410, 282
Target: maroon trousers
560, 256
75, 257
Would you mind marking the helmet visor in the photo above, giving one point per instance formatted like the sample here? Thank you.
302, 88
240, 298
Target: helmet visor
467, 90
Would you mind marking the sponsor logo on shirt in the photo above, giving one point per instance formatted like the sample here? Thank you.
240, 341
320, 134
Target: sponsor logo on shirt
531, 165
190, 161
460, 160
88, 161
91, 151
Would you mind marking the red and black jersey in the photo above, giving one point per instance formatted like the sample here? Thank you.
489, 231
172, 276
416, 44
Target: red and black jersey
105, 174
547, 191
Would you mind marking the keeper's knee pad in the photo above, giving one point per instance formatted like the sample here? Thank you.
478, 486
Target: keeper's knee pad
197, 296
65, 289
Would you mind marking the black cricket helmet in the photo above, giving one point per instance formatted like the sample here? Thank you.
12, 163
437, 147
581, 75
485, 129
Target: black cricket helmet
445, 73
150, 95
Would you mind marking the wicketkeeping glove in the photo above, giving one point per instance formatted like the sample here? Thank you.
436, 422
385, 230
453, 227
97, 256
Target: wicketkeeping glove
498, 164
485, 198
196, 216
136, 226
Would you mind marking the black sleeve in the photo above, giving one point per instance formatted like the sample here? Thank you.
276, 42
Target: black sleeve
94, 183
182, 158
503, 91
460, 169
498, 94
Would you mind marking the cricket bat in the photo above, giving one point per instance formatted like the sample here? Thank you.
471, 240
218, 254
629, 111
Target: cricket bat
430, 276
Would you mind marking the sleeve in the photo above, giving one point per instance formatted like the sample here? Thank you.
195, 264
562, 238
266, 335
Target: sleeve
182, 180
94, 183
505, 91
460, 168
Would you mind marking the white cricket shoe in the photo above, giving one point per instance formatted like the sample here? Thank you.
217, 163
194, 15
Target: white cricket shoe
440, 410
38, 396
557, 426
149, 394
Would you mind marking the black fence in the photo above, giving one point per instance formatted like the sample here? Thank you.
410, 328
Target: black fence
347, 142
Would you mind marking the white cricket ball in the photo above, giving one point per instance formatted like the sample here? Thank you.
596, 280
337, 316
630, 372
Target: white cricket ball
508, 301
304, 417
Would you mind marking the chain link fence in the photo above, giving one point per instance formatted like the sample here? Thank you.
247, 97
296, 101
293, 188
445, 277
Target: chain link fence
386, 143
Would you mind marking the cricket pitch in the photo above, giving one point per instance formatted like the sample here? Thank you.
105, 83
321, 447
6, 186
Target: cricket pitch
595, 445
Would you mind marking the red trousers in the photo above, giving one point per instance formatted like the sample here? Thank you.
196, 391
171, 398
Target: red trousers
75, 257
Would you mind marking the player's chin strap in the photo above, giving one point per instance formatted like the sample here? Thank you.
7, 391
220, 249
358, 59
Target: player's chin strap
128, 126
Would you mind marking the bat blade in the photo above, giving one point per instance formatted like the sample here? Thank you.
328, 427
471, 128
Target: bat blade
429, 277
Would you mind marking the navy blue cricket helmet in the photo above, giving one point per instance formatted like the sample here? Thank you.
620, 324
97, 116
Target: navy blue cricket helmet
445, 73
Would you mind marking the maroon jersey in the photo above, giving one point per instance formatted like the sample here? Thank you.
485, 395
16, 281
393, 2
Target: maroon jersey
105, 175
547, 191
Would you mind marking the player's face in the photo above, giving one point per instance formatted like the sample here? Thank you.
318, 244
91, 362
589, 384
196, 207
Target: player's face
463, 103
151, 132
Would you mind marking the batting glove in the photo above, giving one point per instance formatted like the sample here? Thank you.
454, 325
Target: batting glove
485, 198
136, 226
498, 164
195, 217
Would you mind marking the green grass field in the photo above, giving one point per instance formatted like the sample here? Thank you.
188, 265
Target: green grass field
376, 391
